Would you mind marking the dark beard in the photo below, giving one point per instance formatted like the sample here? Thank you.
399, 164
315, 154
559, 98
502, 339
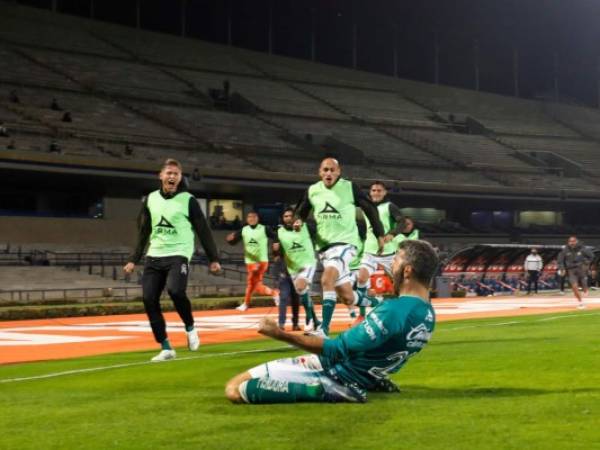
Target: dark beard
399, 280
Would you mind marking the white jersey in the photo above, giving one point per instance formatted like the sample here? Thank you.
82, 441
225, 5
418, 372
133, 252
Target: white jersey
533, 262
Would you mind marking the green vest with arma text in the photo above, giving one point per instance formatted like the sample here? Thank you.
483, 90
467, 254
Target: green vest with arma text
335, 213
388, 222
172, 233
413, 236
256, 244
298, 250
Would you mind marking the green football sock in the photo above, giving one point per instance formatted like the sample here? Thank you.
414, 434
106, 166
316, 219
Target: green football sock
366, 300
315, 318
362, 310
267, 390
329, 300
362, 290
308, 307
166, 345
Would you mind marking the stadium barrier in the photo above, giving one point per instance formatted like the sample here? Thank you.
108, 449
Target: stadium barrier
120, 293
497, 269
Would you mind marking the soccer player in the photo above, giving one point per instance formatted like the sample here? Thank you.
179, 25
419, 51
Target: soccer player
358, 360
409, 231
393, 224
575, 259
168, 220
256, 256
333, 202
298, 252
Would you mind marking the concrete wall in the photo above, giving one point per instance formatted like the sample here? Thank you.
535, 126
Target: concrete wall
68, 232
121, 208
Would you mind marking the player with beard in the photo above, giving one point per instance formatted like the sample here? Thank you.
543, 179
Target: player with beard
359, 360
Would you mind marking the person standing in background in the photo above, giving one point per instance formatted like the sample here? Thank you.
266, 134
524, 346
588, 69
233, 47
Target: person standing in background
256, 256
533, 266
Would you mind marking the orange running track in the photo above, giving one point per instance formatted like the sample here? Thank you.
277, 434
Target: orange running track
36, 340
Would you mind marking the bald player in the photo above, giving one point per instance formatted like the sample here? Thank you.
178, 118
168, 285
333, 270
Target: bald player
333, 201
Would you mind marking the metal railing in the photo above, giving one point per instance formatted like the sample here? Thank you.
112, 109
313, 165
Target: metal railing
120, 293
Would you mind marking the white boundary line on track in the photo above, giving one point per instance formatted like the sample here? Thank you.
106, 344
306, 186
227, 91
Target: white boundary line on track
133, 364
517, 322
241, 352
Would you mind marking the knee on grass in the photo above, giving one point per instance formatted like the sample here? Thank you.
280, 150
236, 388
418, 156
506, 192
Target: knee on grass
232, 388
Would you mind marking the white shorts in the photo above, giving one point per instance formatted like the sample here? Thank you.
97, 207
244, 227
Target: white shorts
370, 263
305, 369
308, 273
339, 257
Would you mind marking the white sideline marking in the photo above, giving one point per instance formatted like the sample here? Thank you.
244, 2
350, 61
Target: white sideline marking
139, 363
210, 355
545, 319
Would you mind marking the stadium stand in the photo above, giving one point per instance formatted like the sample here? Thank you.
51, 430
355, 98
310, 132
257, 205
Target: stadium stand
139, 96
149, 80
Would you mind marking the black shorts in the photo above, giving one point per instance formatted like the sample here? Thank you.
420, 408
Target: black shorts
578, 276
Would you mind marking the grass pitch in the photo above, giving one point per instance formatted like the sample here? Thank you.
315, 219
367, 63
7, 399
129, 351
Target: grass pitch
519, 383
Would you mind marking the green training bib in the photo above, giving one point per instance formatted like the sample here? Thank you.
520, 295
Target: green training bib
334, 212
388, 222
172, 233
298, 249
256, 244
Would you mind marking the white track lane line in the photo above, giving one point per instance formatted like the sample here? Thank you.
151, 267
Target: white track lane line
139, 363
211, 355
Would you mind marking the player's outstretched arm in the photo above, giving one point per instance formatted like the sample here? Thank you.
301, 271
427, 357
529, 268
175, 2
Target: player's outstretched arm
313, 344
234, 238
398, 218
302, 211
144, 230
200, 225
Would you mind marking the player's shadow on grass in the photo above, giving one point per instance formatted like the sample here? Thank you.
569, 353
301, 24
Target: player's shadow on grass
425, 392
492, 341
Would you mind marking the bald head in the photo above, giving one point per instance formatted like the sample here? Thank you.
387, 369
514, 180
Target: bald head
329, 171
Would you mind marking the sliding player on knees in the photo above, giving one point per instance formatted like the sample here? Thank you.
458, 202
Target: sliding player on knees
298, 253
333, 202
393, 224
255, 237
359, 360
168, 220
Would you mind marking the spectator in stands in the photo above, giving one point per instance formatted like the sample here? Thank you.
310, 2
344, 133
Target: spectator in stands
128, 150
54, 147
11, 145
54, 106
533, 266
237, 222
168, 223
575, 260
3, 130
67, 117
226, 87
13, 97
196, 175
